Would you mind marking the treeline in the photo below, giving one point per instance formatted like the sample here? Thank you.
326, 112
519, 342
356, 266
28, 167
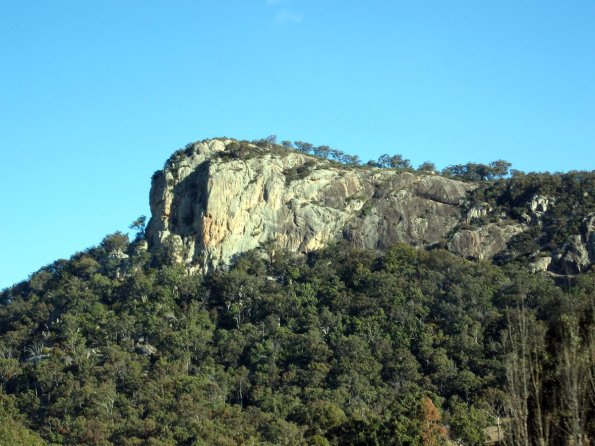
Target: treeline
344, 347
466, 172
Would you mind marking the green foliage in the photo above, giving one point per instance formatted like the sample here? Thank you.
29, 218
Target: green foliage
13, 431
139, 225
298, 172
239, 150
394, 162
467, 423
427, 167
344, 347
115, 242
477, 171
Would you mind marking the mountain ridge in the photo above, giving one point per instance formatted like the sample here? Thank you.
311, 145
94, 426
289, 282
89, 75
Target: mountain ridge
218, 198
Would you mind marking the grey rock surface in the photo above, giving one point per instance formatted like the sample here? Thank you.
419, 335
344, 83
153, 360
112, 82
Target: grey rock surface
208, 205
589, 236
578, 252
484, 242
541, 264
573, 257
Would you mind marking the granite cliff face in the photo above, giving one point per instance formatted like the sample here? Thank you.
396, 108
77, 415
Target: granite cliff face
211, 203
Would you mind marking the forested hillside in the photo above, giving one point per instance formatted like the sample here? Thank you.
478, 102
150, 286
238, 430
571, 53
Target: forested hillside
344, 346
270, 301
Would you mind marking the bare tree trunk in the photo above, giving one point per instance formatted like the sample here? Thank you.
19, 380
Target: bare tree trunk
536, 363
525, 342
576, 380
517, 378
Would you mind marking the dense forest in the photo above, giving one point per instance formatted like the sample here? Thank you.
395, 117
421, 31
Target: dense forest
343, 347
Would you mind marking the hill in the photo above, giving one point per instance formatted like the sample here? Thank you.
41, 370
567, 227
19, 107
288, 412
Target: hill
282, 297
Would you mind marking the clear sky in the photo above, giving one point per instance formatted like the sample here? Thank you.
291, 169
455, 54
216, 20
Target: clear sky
96, 94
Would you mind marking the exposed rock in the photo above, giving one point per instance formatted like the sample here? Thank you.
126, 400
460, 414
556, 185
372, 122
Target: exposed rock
118, 254
205, 209
578, 253
589, 236
537, 207
541, 264
146, 349
484, 242
539, 204
478, 211
419, 210
217, 199
573, 257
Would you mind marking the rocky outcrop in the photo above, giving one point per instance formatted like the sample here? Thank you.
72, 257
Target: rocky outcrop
484, 242
478, 211
577, 254
541, 264
206, 208
219, 198
588, 231
537, 207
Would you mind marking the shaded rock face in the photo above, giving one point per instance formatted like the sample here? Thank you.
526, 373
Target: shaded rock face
537, 207
208, 205
402, 207
578, 252
588, 230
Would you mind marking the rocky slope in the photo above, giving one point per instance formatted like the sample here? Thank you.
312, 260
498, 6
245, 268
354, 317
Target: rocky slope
219, 198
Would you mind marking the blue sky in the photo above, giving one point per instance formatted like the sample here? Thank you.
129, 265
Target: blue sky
95, 95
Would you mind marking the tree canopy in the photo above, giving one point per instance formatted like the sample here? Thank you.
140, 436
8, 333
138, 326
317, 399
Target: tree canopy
343, 347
